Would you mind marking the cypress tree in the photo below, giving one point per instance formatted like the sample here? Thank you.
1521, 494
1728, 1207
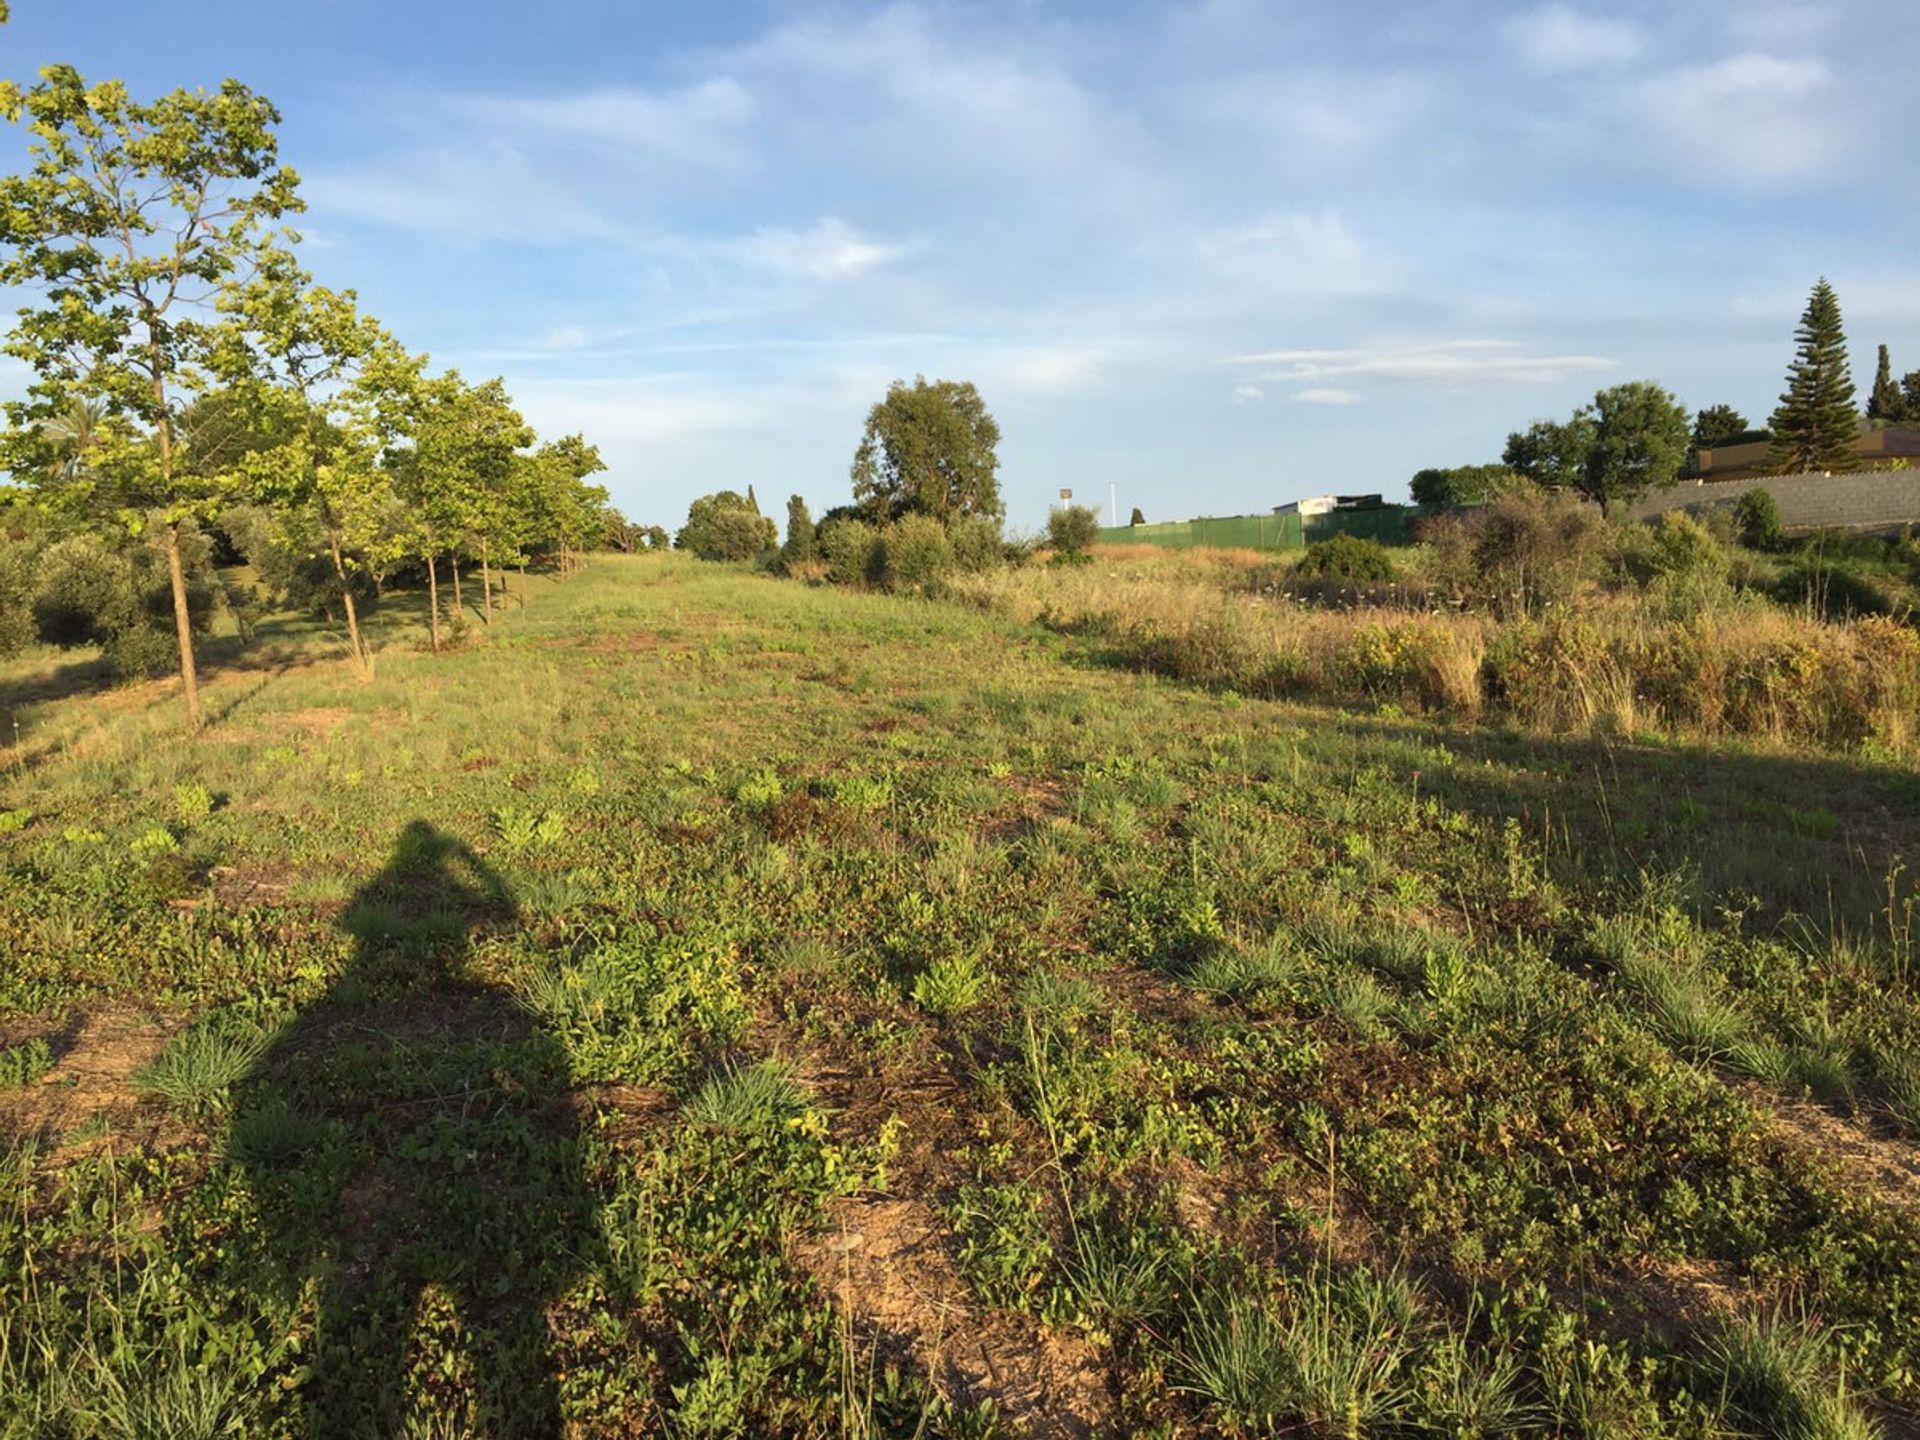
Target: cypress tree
1886, 402
800, 544
1816, 425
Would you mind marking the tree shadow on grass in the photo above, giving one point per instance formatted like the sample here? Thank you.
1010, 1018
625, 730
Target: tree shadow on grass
413, 1149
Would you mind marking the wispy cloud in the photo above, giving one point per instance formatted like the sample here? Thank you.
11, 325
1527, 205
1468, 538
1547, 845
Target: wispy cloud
829, 249
1327, 395
1554, 39
1458, 362
1750, 121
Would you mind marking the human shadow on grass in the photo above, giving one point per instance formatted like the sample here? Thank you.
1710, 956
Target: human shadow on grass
412, 1146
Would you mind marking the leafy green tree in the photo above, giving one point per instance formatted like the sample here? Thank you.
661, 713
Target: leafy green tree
1910, 394
130, 218
801, 544
314, 368
1451, 488
928, 449
1552, 454
1718, 425
1887, 401
1639, 442
716, 531
1816, 425
1072, 530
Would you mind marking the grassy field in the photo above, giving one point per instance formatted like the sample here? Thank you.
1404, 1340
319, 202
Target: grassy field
711, 1005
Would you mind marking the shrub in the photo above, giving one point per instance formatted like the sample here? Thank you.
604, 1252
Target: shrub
1528, 550
977, 543
1756, 520
1072, 530
851, 549
1346, 557
23, 1064
1832, 591
916, 553
726, 526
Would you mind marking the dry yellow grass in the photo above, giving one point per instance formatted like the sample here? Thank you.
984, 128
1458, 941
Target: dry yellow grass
1608, 665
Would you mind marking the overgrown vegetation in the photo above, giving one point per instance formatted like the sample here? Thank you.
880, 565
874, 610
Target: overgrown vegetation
847, 1015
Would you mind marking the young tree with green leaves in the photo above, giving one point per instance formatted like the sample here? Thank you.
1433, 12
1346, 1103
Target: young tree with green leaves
1639, 443
928, 449
130, 218
801, 545
1552, 454
1718, 425
1816, 425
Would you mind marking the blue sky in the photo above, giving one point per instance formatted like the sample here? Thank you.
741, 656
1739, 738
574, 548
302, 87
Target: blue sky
1220, 254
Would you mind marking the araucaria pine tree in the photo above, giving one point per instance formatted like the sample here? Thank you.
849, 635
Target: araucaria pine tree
1816, 424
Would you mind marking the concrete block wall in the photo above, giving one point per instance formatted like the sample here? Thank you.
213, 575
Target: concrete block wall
1864, 500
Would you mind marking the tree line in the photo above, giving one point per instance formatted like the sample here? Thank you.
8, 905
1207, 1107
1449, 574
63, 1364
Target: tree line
1637, 437
193, 385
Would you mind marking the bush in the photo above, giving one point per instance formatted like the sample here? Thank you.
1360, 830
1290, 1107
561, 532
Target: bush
977, 543
1346, 557
1831, 591
1756, 520
94, 591
1073, 529
1525, 551
916, 553
726, 526
1679, 563
851, 550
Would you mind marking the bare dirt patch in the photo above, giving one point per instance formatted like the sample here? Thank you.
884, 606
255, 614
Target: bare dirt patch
886, 1263
1889, 1168
91, 1081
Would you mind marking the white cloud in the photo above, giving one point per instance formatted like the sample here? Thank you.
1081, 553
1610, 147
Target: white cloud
1458, 362
829, 249
1749, 121
1555, 39
1311, 250
693, 122
1054, 370
1327, 395
1247, 394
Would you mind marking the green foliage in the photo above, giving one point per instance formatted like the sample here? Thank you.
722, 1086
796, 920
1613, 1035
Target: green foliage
200, 1065
1072, 529
928, 449
22, 1064
723, 526
744, 1101
852, 551
1550, 454
1347, 557
1775, 1376
1815, 426
801, 544
1461, 485
1756, 520
1830, 588
915, 553
1639, 443
978, 545
1717, 425
1886, 402
949, 986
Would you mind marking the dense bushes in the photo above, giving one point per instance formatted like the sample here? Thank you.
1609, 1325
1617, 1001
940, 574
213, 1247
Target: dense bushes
1072, 531
1346, 557
726, 525
95, 589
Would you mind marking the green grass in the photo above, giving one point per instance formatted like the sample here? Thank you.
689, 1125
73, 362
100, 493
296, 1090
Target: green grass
544, 1010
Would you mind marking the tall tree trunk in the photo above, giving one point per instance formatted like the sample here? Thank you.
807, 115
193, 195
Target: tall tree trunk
459, 604
433, 599
362, 660
523, 580
486, 585
183, 624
